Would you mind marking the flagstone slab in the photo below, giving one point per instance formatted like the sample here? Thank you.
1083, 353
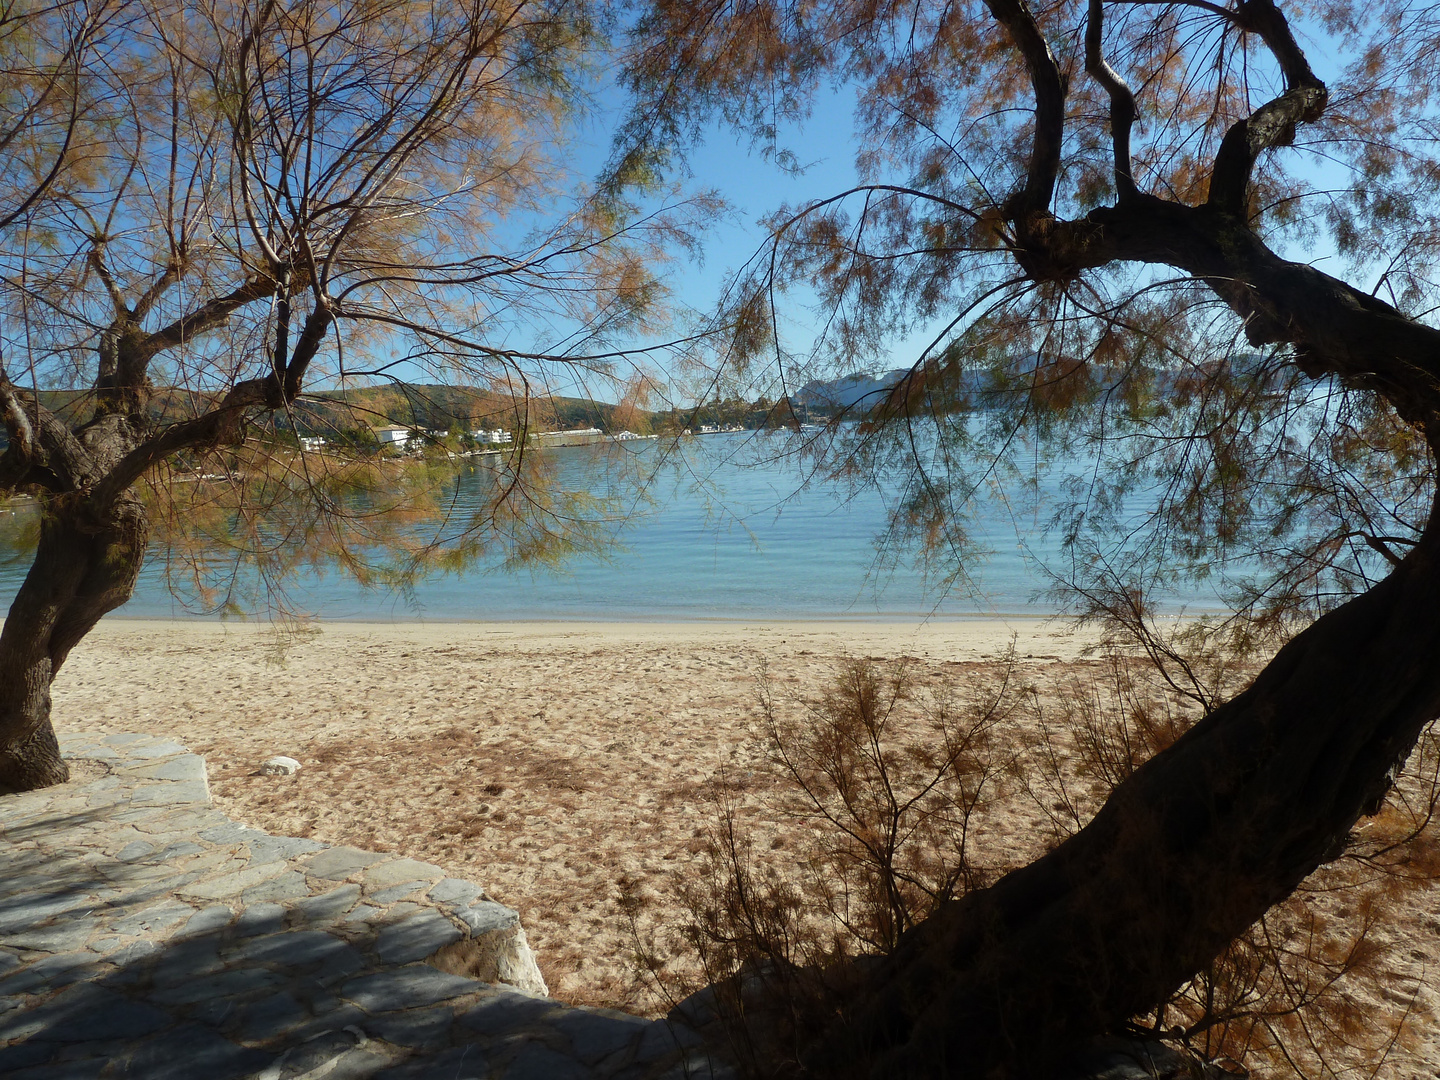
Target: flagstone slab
144, 934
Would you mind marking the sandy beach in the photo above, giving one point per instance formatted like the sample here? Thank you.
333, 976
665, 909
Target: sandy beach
551, 762
560, 765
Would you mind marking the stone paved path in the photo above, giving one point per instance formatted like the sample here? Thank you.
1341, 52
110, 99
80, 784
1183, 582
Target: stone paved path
145, 935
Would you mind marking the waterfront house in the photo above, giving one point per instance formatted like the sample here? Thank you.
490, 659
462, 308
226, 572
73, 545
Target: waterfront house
492, 436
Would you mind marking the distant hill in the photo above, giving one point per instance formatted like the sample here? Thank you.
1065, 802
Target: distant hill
442, 408
335, 412
857, 392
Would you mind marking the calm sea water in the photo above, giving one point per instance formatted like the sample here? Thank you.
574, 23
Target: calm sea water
742, 545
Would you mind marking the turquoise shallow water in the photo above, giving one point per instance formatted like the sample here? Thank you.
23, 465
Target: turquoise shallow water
739, 545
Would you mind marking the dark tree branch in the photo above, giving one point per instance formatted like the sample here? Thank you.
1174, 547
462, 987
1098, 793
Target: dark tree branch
1335, 328
282, 324
1224, 824
97, 263
1272, 124
1263, 18
43, 451
1203, 5
223, 424
1049, 87
73, 465
306, 346
173, 269
1380, 544
208, 315
1122, 101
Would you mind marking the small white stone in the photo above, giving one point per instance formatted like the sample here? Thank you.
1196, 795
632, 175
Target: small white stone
280, 766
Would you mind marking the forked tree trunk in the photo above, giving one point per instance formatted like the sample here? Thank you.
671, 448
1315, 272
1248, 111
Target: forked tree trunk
84, 567
93, 532
1182, 859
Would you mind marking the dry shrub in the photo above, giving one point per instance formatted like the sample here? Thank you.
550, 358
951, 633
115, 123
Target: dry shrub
884, 782
1092, 735
898, 777
893, 784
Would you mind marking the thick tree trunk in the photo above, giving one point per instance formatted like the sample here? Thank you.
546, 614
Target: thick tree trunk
1182, 859
84, 567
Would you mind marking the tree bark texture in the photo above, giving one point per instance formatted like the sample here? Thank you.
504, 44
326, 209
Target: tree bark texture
85, 566
1185, 855
1208, 835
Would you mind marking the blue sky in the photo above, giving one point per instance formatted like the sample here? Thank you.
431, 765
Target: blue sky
825, 145
754, 187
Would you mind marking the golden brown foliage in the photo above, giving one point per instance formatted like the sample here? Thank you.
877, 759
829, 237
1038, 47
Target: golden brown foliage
245, 201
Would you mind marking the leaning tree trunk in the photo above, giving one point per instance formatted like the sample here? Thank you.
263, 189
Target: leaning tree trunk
85, 565
1182, 859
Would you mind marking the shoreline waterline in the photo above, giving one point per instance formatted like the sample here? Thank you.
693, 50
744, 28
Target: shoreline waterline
958, 638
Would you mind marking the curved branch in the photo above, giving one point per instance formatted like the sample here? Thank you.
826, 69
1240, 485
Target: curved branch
1122, 100
1272, 124
160, 286
117, 299
1263, 18
1380, 544
282, 324
306, 346
225, 422
1049, 87
1203, 5
1239, 810
42, 450
243, 133
207, 315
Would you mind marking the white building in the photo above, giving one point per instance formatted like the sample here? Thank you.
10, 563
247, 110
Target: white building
573, 437
395, 437
311, 443
492, 436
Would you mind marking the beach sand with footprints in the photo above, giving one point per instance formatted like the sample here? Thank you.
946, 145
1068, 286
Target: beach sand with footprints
564, 766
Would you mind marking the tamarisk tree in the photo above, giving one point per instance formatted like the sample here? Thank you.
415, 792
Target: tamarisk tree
1110, 219
227, 201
